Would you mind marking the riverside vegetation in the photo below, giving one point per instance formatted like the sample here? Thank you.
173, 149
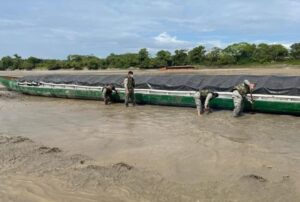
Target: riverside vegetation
234, 54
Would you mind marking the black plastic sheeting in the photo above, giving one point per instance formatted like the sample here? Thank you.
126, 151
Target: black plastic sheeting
277, 85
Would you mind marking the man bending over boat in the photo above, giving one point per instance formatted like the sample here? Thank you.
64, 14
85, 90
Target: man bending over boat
202, 99
129, 85
107, 93
239, 94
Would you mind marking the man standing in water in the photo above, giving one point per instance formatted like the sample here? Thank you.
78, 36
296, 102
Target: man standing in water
107, 93
239, 94
129, 85
202, 99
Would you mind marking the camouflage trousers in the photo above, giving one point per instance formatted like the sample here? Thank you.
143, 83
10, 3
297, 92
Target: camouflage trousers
238, 103
129, 96
107, 97
202, 103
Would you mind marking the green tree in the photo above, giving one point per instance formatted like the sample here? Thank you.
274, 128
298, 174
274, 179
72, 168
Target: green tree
76, 58
278, 52
180, 57
143, 58
17, 62
213, 56
243, 52
74, 65
268, 53
33, 61
295, 50
93, 64
90, 61
226, 59
163, 58
262, 53
197, 55
7, 62
1, 66
76, 61
122, 61
27, 65
54, 65
112, 61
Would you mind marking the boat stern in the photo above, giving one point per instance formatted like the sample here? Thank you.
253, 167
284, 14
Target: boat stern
9, 82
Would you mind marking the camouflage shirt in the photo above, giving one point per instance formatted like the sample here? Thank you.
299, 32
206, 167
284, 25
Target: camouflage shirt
242, 88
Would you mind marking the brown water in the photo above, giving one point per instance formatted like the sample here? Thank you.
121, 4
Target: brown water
216, 151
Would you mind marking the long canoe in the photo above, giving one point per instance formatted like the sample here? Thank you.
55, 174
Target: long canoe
279, 104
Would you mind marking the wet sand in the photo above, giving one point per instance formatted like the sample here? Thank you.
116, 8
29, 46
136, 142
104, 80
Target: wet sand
167, 153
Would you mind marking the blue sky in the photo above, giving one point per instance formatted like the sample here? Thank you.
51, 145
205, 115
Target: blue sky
57, 28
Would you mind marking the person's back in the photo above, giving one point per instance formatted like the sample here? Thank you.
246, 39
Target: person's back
242, 88
202, 99
239, 93
107, 93
205, 92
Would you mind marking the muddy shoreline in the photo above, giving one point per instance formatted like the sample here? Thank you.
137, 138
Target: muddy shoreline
81, 179
75, 150
24, 158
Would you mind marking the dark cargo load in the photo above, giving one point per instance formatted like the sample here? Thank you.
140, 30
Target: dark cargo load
274, 85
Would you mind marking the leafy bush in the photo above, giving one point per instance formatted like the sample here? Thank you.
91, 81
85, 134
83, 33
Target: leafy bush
238, 53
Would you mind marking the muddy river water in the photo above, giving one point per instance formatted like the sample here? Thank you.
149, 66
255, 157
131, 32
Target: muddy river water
252, 158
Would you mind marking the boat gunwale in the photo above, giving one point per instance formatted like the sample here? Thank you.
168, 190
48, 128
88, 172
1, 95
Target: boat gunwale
224, 95
275, 104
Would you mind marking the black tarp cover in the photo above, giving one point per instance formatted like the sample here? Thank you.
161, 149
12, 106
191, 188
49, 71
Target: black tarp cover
279, 85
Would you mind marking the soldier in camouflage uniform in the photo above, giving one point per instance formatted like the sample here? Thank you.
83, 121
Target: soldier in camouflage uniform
202, 99
129, 85
107, 93
239, 94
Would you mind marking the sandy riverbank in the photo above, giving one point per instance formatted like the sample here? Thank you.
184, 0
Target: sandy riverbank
94, 152
287, 70
33, 172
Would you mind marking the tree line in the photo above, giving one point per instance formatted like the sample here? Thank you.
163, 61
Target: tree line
234, 54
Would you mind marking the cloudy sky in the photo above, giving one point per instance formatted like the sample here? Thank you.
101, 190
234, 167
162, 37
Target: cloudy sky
57, 28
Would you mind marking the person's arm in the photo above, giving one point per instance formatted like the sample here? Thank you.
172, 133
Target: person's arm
104, 92
126, 85
115, 90
250, 99
198, 103
250, 90
208, 98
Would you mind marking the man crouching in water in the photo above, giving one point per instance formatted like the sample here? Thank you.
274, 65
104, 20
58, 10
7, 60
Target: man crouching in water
129, 85
107, 93
202, 99
239, 94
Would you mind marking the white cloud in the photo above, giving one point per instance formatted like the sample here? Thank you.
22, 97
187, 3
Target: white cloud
165, 38
103, 26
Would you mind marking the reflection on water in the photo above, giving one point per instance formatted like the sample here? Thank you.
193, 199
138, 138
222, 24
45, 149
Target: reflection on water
173, 141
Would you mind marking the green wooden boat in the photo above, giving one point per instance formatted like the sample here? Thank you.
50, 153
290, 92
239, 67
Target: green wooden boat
263, 103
